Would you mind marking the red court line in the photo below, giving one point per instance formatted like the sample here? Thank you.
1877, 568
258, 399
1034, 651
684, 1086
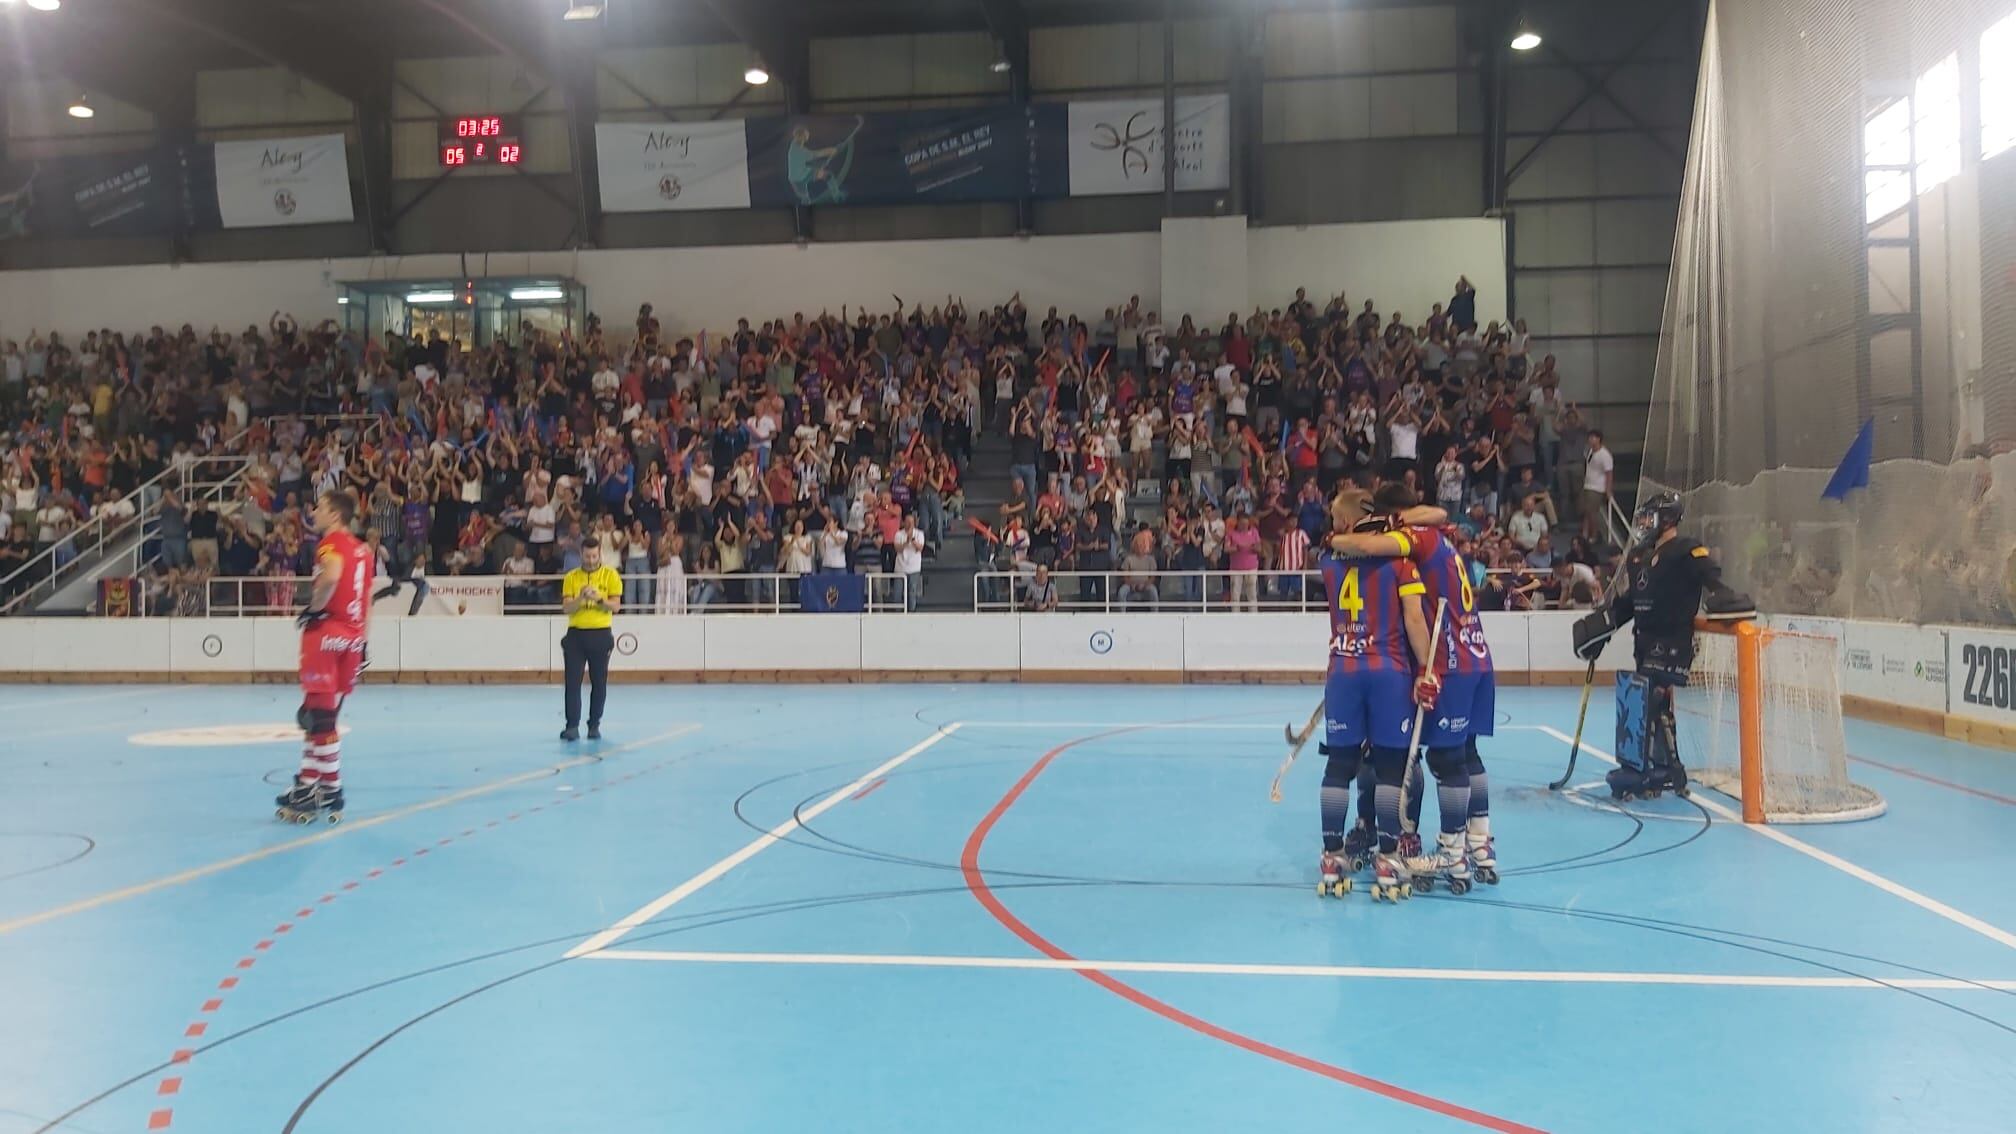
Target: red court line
976, 882
863, 793
1933, 780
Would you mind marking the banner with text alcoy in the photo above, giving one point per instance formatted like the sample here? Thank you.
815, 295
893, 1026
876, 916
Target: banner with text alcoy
650, 167
283, 181
1115, 145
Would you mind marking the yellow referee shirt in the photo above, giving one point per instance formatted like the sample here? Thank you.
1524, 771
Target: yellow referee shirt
591, 616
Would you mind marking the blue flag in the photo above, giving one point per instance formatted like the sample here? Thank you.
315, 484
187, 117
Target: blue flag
1853, 472
834, 592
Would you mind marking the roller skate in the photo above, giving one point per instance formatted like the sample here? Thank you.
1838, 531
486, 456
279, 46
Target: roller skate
1333, 875
332, 805
1484, 860
298, 804
1360, 844
1450, 863
1391, 880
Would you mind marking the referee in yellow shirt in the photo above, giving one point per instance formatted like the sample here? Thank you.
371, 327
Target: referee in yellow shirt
590, 594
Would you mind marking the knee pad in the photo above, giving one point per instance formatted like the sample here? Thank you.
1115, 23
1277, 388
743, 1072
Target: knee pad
1390, 765
1342, 765
321, 722
1446, 763
1472, 762
302, 717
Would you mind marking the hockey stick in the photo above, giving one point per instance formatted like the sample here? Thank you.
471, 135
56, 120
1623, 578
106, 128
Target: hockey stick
1581, 716
1296, 742
1420, 712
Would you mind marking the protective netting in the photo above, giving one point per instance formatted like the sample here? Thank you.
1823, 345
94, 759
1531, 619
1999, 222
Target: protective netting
1803, 753
1846, 252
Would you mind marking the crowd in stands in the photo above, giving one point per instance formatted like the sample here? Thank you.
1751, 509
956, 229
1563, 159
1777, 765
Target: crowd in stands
837, 442
1140, 448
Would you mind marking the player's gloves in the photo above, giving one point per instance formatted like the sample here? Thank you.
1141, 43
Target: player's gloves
307, 618
1427, 688
1592, 633
1725, 605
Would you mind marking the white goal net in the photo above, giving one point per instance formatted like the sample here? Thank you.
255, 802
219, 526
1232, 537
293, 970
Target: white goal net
1798, 748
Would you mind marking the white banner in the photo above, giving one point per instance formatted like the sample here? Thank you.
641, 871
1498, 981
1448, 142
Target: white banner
1896, 662
653, 166
276, 181
1115, 146
1982, 669
449, 596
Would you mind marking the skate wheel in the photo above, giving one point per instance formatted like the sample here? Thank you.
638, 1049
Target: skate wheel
1681, 792
1425, 885
1341, 887
335, 816
1488, 876
1406, 890
1459, 886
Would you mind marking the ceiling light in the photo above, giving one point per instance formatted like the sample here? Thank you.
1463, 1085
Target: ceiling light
522, 294
1001, 66
45, 5
755, 76
430, 297
81, 108
584, 10
1525, 39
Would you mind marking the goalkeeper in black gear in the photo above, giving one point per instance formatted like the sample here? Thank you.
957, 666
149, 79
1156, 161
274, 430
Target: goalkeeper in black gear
1667, 576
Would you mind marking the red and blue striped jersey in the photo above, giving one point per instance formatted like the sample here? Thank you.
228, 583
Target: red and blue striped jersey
1461, 648
1367, 633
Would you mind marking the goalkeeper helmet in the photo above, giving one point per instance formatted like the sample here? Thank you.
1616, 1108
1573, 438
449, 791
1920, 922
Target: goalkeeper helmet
1655, 516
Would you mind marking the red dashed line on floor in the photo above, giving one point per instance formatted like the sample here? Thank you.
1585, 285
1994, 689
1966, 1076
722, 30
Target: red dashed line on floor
171, 1085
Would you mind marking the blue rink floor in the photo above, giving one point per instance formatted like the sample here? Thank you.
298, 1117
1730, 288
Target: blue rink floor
938, 908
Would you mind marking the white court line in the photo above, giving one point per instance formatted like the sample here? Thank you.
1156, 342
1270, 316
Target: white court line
1206, 727
760, 844
1356, 972
1931, 905
350, 827
46, 703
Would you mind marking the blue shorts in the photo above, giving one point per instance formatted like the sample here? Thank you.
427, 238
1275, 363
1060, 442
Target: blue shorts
1468, 707
1375, 707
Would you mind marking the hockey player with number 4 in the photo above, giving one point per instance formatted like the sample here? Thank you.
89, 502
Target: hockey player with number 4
1666, 578
1379, 639
1461, 686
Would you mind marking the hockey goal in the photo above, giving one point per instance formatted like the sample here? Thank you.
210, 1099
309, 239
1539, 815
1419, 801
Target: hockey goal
1760, 721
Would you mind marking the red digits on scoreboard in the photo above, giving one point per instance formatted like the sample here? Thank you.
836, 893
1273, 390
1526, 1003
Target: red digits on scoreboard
454, 155
509, 154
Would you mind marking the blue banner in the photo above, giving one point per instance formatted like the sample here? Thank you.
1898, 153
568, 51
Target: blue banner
894, 158
833, 593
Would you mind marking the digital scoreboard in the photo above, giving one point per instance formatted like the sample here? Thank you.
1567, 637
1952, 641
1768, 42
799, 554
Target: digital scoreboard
488, 139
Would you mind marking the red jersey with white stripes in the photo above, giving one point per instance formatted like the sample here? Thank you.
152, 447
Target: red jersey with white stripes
1367, 632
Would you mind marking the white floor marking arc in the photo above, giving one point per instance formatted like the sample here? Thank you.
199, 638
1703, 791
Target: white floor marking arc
1352, 972
755, 847
348, 827
1930, 905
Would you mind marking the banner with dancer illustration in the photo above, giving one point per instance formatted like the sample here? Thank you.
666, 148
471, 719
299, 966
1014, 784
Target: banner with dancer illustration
900, 157
1115, 146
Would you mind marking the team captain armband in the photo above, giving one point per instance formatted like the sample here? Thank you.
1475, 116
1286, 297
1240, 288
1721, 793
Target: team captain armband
1413, 588
1700, 553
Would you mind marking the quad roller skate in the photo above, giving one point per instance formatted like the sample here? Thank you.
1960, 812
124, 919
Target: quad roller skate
304, 802
1450, 863
1484, 860
1333, 873
1360, 844
1390, 878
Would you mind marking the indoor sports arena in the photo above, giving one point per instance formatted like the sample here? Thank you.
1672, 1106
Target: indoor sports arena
1001, 565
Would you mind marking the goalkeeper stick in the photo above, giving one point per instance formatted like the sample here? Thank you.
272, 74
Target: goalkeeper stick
1581, 715
1296, 742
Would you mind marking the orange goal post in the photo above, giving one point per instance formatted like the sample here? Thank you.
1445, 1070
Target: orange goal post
1760, 721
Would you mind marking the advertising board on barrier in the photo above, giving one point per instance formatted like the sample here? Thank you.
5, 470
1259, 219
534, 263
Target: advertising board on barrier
1895, 662
450, 596
1983, 668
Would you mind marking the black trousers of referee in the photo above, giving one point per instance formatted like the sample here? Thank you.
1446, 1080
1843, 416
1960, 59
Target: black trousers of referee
590, 650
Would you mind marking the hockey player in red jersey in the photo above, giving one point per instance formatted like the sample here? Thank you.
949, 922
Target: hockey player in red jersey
333, 630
